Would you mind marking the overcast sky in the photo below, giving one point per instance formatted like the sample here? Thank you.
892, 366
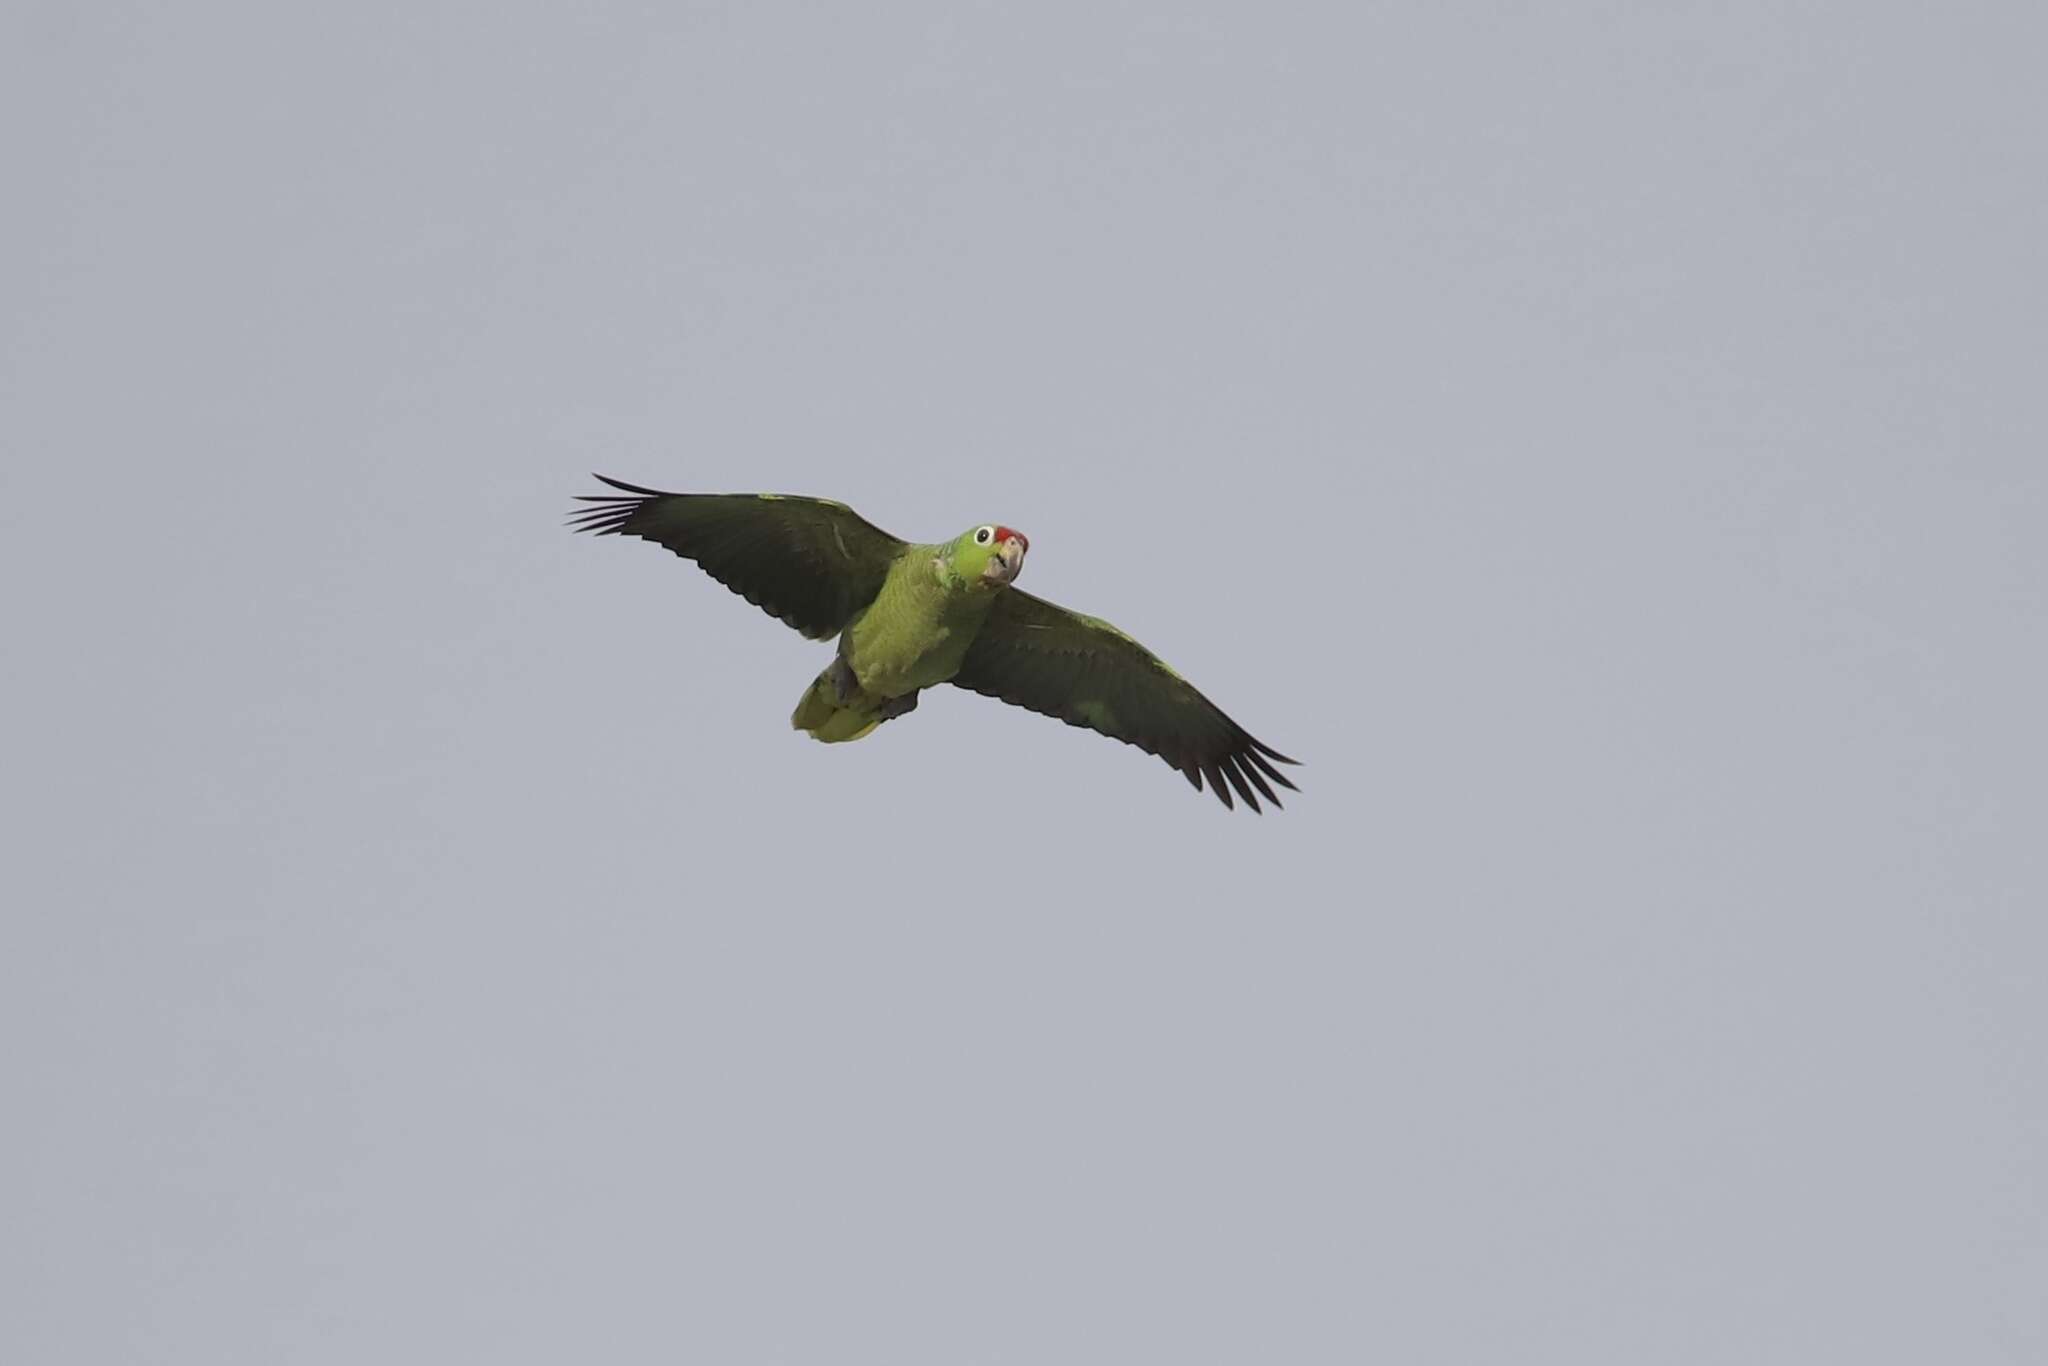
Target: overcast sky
1607, 444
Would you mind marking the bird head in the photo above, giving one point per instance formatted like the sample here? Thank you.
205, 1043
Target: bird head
990, 556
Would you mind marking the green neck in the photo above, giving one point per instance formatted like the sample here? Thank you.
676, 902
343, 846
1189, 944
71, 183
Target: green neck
955, 598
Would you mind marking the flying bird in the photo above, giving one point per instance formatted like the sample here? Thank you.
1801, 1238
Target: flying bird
909, 617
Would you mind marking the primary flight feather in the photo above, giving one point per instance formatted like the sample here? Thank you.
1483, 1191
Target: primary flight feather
909, 617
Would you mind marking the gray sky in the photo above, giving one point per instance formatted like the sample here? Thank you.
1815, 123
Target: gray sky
1606, 444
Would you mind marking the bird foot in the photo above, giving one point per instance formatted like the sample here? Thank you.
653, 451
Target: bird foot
895, 707
845, 687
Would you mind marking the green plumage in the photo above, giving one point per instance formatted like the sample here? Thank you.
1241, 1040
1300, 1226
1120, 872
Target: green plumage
909, 617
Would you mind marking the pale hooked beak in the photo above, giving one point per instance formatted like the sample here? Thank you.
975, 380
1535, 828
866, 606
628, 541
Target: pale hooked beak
1008, 561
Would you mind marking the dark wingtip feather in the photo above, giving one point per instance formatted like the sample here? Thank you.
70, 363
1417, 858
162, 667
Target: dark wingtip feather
1230, 771
608, 521
1259, 782
1271, 772
629, 488
610, 512
1273, 753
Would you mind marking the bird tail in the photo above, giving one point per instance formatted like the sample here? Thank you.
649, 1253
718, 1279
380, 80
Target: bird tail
822, 716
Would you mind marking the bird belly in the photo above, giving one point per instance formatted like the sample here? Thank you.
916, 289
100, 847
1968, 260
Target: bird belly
914, 635
891, 668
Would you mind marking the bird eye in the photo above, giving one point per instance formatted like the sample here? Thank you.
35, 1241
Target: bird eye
984, 535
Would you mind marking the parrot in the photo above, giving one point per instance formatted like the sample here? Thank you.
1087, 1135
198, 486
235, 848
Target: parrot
912, 616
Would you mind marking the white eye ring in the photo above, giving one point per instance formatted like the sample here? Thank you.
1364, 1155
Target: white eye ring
983, 535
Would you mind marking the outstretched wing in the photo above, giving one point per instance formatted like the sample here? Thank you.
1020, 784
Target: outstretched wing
809, 562
1033, 653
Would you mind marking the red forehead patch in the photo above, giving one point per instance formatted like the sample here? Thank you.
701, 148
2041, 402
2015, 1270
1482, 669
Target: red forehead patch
1004, 533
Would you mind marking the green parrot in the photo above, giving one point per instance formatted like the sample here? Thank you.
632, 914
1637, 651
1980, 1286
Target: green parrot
909, 617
